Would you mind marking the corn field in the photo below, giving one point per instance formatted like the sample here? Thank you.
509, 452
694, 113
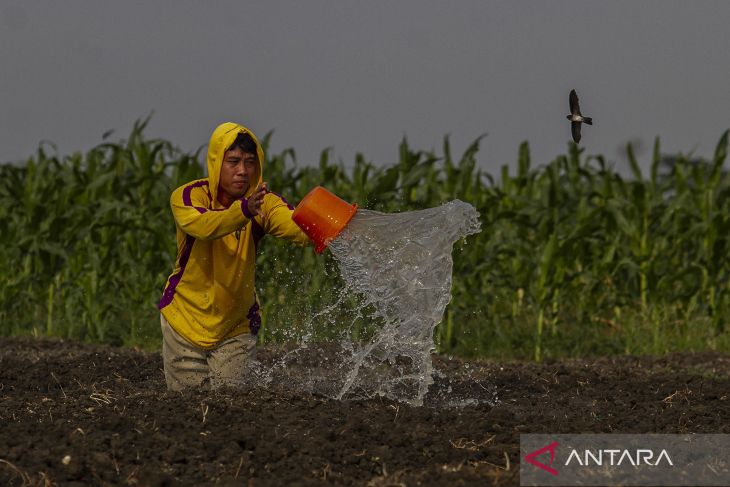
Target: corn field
574, 259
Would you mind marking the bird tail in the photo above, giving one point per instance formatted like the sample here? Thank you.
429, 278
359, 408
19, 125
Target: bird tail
588, 120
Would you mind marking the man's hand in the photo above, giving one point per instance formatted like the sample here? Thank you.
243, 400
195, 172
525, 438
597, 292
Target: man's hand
256, 200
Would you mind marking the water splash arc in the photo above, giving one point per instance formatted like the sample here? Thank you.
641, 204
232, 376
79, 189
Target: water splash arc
397, 274
400, 265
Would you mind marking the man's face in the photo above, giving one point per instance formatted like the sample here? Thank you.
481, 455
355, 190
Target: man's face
237, 173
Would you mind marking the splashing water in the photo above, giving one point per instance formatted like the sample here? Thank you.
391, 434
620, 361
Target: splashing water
397, 268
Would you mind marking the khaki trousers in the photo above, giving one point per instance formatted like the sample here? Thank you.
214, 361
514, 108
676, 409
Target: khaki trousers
187, 366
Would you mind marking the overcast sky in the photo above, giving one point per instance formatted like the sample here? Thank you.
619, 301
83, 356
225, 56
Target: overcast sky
359, 75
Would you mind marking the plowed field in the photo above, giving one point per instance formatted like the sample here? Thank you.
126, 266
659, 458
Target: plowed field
78, 414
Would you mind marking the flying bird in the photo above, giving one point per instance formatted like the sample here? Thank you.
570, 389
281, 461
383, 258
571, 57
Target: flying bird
575, 117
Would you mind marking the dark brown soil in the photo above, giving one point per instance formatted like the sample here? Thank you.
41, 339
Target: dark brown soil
77, 414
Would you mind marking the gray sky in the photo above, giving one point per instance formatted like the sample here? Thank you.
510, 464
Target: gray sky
358, 76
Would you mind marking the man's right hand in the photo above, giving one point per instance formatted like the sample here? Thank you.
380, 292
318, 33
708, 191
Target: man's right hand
256, 200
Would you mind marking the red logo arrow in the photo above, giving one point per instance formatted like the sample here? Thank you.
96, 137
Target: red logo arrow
530, 457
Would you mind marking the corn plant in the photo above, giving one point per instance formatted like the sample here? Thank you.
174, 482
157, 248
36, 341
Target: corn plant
574, 258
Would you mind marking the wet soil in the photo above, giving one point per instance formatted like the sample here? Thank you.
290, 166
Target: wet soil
79, 414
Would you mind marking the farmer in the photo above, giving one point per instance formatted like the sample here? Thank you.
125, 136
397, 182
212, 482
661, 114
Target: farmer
209, 311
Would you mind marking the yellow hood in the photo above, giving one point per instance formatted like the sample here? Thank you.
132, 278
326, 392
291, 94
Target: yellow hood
222, 138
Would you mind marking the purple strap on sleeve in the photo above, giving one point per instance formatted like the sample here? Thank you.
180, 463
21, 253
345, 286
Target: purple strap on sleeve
244, 207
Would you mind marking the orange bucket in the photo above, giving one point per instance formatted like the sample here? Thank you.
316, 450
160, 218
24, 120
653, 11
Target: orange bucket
322, 216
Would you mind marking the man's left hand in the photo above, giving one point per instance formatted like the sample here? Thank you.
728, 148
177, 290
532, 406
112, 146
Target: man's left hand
256, 200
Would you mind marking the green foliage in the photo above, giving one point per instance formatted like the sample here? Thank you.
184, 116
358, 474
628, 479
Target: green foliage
88, 240
573, 257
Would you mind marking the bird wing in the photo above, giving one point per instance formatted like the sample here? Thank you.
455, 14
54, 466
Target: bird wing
575, 129
574, 106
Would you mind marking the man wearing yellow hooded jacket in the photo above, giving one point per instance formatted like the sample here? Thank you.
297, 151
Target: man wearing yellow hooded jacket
209, 312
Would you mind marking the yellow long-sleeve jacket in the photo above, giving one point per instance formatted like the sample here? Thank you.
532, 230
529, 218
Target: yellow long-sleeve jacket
210, 295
